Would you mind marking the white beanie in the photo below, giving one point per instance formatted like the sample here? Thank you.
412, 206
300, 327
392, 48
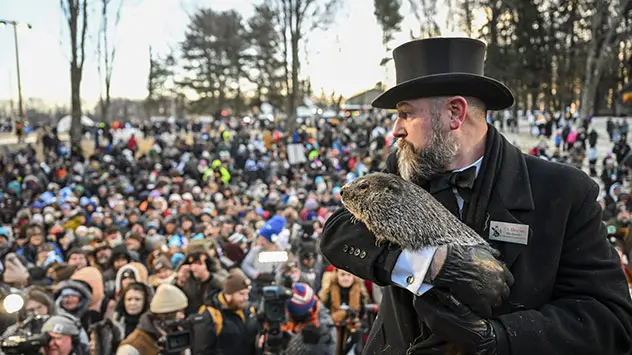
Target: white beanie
168, 299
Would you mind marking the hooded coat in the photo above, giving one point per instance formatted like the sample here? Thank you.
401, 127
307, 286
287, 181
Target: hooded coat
83, 307
140, 274
107, 337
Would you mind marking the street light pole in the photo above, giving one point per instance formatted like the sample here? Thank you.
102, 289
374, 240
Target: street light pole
17, 64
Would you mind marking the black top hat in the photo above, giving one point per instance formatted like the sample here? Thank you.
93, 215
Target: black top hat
443, 67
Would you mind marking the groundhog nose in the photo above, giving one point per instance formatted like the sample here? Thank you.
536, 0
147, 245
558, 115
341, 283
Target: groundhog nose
342, 191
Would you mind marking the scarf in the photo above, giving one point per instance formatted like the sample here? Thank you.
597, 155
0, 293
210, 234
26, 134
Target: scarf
296, 327
476, 214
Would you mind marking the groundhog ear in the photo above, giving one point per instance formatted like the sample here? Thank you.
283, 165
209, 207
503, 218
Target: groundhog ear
393, 186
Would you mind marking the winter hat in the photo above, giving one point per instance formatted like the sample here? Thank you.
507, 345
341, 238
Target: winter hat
237, 238
235, 282
66, 325
5, 232
176, 259
272, 228
302, 301
197, 247
168, 299
161, 262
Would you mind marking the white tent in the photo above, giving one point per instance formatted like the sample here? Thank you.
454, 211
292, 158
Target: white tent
63, 126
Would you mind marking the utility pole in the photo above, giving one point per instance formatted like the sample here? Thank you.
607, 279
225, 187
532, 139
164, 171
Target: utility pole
17, 64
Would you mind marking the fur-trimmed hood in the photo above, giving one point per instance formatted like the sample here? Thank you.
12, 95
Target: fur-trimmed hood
139, 270
79, 286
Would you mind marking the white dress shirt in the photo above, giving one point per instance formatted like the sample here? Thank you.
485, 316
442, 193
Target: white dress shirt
412, 265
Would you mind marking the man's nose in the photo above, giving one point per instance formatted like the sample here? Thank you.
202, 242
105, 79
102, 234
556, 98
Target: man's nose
398, 129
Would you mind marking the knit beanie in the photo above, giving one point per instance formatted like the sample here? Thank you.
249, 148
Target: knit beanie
272, 228
168, 299
66, 325
302, 301
235, 282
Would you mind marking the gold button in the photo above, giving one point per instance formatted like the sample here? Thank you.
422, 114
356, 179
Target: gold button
363, 255
357, 252
410, 279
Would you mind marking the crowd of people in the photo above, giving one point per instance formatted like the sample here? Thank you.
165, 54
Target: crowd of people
107, 250
575, 142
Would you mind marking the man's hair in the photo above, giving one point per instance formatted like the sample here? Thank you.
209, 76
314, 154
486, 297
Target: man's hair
475, 106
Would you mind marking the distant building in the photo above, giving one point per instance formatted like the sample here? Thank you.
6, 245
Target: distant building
362, 101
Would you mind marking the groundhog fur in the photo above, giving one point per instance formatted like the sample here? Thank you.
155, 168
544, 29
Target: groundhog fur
404, 214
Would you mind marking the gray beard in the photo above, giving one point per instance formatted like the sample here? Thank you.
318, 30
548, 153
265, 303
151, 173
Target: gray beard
418, 165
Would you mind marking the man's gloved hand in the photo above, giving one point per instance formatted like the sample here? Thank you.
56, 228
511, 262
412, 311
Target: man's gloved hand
266, 277
475, 277
453, 322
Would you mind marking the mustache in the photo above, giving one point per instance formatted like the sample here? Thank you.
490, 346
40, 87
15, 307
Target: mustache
406, 146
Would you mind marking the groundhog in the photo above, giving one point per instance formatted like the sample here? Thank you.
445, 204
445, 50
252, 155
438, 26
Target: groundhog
404, 214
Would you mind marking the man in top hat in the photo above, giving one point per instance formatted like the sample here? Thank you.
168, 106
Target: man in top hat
565, 294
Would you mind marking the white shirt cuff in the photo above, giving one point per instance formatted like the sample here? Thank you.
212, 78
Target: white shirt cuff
411, 268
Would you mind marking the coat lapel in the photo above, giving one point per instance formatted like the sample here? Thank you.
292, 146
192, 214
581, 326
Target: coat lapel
510, 196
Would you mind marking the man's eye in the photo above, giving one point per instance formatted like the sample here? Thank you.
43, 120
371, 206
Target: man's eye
404, 115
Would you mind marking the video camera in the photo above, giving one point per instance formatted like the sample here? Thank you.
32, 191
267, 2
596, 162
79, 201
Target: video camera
22, 345
274, 298
179, 335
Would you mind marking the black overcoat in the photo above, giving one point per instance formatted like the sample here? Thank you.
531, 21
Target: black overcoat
570, 295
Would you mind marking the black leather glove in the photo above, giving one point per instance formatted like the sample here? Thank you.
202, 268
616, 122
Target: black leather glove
453, 322
475, 277
266, 277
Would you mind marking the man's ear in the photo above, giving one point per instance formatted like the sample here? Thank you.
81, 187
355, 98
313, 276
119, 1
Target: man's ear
457, 106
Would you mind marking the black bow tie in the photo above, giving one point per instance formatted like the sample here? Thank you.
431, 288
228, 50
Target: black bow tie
462, 180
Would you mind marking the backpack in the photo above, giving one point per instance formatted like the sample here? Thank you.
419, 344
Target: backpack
218, 317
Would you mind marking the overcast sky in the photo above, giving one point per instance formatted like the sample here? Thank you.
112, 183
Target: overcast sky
344, 58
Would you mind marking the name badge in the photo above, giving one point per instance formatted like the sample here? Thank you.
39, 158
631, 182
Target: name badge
509, 232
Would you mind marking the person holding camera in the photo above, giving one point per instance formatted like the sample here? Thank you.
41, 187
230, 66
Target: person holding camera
63, 333
169, 303
229, 326
345, 298
313, 330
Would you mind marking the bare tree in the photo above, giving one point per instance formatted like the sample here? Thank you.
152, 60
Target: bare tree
106, 53
600, 49
298, 17
76, 13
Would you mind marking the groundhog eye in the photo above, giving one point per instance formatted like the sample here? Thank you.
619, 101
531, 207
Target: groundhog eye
363, 185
